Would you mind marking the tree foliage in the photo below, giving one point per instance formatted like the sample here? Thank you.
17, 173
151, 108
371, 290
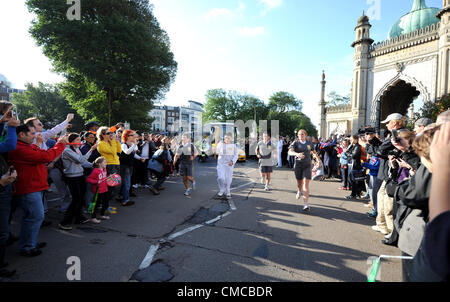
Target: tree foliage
116, 57
335, 99
431, 110
284, 101
46, 103
225, 106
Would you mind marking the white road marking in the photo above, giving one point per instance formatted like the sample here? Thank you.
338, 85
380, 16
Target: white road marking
178, 234
232, 205
149, 257
244, 185
218, 218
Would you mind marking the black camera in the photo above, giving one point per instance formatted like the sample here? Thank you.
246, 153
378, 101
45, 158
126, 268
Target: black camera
395, 153
395, 136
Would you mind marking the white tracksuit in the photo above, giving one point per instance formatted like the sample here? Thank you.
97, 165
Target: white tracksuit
227, 153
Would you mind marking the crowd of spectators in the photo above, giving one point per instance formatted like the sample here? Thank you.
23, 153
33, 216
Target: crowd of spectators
394, 173
79, 165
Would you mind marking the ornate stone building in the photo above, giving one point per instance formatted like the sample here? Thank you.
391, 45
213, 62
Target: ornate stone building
389, 75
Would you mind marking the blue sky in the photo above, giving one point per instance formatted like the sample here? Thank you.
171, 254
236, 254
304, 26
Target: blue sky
252, 46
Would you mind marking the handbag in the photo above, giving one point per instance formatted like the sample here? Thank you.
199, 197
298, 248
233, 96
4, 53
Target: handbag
391, 186
359, 175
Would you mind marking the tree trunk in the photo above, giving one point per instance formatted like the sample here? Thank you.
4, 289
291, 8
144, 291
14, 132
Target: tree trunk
109, 96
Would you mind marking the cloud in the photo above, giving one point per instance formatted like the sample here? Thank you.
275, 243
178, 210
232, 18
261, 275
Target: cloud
270, 4
216, 13
251, 31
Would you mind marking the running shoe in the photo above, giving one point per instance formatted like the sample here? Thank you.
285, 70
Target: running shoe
376, 228
220, 194
299, 194
194, 186
65, 227
229, 196
188, 192
306, 208
267, 188
95, 220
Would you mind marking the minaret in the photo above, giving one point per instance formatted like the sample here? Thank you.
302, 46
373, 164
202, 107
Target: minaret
360, 72
323, 113
444, 50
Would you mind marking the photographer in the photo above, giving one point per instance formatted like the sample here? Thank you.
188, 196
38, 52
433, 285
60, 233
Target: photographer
385, 204
404, 163
412, 198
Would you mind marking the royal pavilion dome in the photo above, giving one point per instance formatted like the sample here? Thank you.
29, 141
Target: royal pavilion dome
420, 17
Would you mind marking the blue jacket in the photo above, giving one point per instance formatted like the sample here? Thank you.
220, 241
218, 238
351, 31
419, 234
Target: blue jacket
373, 166
344, 159
8, 145
154, 165
11, 140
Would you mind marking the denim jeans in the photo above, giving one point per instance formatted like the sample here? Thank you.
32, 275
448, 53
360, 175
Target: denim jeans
33, 216
345, 181
113, 169
5, 209
125, 173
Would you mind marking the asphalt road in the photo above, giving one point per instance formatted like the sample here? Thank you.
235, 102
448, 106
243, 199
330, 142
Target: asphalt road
258, 236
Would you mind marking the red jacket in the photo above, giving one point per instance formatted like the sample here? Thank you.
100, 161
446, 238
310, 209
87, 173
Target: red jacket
95, 177
30, 163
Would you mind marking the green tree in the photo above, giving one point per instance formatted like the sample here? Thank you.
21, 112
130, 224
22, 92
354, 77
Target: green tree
219, 106
225, 106
45, 102
117, 52
335, 99
291, 122
431, 110
284, 101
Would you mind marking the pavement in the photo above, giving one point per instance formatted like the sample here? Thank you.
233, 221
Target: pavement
257, 236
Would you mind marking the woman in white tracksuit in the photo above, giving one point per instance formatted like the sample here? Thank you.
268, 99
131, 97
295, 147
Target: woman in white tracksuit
228, 156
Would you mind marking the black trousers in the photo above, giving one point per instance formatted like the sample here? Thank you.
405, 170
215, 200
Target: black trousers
160, 178
103, 199
77, 188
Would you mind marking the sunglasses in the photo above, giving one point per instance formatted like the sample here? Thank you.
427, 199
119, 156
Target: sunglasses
107, 133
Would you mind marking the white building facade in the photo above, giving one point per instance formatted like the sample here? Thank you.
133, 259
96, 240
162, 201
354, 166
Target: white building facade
412, 63
173, 120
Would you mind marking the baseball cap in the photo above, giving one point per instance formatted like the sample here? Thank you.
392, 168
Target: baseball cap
423, 122
393, 116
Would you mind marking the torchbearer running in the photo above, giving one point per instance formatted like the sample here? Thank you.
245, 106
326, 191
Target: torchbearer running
302, 151
264, 151
187, 152
228, 156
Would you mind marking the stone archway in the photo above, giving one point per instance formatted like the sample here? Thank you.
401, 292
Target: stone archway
396, 97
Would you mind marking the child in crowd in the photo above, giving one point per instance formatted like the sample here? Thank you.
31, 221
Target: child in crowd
97, 178
317, 171
343, 161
